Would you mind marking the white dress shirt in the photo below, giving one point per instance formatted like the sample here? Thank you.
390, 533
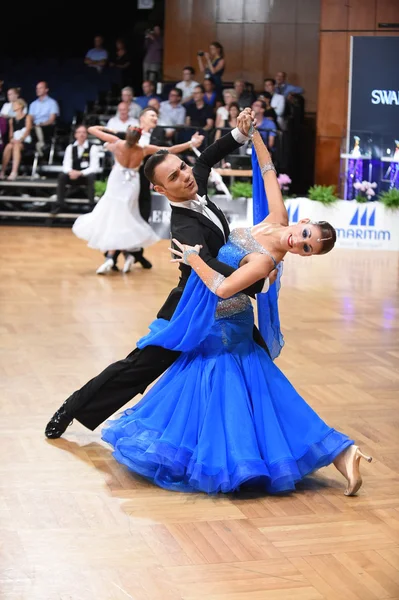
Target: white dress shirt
117, 125
94, 158
199, 205
187, 87
278, 103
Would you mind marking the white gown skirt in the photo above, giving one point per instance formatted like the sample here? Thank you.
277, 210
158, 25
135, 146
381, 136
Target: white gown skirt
115, 223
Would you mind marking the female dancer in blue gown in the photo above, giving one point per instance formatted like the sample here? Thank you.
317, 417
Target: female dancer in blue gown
224, 414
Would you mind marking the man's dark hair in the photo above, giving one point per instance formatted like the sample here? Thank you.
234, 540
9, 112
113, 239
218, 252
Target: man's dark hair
178, 91
191, 69
152, 163
262, 103
270, 79
201, 87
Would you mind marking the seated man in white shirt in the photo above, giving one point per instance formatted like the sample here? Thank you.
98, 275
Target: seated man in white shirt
122, 120
187, 84
80, 165
277, 102
44, 112
135, 109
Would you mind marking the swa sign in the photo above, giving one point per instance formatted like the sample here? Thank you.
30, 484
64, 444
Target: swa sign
385, 97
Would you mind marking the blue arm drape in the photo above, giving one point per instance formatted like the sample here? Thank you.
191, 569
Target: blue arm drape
268, 316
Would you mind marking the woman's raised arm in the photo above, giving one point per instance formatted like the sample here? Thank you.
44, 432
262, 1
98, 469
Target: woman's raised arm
277, 211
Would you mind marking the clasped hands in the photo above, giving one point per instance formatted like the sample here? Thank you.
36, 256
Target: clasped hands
185, 250
246, 120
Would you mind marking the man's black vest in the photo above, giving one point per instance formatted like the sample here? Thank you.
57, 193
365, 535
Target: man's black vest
78, 164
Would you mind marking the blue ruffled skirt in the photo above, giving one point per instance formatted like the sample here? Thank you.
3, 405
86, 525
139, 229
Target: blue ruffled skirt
223, 415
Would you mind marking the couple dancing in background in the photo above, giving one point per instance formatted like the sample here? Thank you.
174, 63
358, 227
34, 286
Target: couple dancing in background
115, 223
223, 415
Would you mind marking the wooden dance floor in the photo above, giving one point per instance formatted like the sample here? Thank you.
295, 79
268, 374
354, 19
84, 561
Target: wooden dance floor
76, 525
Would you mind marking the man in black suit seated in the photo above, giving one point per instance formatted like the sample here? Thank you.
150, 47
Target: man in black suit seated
194, 220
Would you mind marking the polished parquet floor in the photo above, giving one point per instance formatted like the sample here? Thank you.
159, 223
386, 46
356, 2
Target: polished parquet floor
76, 525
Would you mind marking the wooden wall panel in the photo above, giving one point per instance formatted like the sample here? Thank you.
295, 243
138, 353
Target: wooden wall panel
231, 35
387, 11
307, 62
334, 15
257, 11
202, 32
282, 50
361, 14
308, 11
328, 161
253, 51
177, 40
283, 11
230, 11
333, 77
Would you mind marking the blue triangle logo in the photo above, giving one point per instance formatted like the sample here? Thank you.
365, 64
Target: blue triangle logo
355, 218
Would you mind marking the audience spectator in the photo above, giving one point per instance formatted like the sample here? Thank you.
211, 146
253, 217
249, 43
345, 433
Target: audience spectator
245, 97
230, 122
122, 120
265, 126
277, 102
97, 57
149, 93
20, 127
44, 112
152, 63
270, 113
122, 62
134, 108
6, 110
215, 63
172, 111
187, 84
229, 96
211, 97
199, 114
284, 88
155, 103
80, 165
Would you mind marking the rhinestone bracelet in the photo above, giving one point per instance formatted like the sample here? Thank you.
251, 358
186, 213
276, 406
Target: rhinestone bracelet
268, 167
187, 253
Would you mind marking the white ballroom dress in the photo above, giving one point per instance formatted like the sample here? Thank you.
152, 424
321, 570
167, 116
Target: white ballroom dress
115, 222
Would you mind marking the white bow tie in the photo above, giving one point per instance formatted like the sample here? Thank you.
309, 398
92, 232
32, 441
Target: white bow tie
201, 201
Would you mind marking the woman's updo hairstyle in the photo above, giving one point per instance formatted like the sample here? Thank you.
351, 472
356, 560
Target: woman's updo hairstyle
328, 236
133, 135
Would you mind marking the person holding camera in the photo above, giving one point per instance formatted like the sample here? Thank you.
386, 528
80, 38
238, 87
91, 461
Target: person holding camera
215, 64
152, 63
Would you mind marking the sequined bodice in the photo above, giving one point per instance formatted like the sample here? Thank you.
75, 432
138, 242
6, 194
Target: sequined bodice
240, 243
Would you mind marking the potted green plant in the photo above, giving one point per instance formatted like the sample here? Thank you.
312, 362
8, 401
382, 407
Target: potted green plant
323, 193
100, 186
241, 189
390, 199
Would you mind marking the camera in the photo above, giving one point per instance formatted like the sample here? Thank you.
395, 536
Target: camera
200, 53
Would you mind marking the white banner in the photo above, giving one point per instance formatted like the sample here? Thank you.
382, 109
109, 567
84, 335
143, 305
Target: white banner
359, 226
364, 226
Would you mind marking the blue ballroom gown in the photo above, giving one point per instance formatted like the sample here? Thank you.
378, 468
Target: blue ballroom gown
223, 414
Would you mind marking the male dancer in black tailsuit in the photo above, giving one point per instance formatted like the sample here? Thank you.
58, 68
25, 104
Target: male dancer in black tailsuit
194, 220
